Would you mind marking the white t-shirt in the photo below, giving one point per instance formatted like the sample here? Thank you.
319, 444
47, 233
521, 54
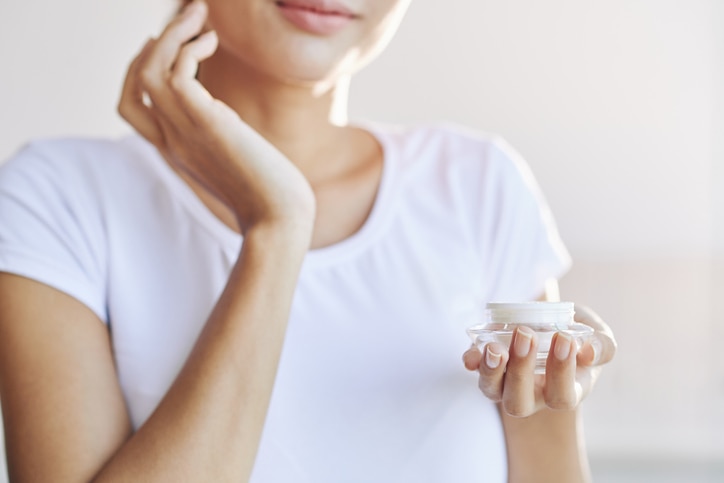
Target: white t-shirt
371, 387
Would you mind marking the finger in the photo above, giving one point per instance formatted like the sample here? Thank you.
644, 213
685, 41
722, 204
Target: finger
585, 379
194, 53
519, 385
597, 351
131, 105
561, 391
145, 117
180, 30
603, 347
155, 70
586, 315
471, 358
492, 371
183, 77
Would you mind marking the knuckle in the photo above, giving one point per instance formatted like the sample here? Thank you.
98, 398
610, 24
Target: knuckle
516, 409
517, 378
175, 35
176, 82
171, 30
560, 404
490, 389
556, 400
186, 50
487, 372
122, 109
126, 109
148, 77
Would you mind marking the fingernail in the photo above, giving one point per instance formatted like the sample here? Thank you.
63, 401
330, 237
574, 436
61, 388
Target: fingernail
492, 359
563, 346
522, 341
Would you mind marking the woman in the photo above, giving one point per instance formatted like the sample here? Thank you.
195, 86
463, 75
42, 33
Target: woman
141, 340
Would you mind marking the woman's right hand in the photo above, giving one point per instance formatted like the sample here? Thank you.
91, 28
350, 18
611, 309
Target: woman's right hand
203, 137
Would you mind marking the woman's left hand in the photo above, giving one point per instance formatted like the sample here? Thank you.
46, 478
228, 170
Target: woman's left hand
506, 376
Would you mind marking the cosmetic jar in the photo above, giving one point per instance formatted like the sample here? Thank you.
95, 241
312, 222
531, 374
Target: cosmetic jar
544, 318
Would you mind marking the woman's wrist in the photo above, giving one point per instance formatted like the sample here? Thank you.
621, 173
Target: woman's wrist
290, 235
293, 219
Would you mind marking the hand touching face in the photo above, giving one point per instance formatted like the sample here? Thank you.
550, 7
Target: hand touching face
203, 138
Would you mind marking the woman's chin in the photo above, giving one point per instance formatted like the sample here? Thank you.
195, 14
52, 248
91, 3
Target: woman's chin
309, 71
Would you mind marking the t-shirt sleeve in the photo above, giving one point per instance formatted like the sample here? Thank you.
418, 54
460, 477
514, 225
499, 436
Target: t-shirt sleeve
49, 229
521, 247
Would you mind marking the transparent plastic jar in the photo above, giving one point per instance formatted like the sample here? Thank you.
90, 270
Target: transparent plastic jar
544, 318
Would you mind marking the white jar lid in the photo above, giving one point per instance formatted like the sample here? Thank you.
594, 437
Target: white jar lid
531, 312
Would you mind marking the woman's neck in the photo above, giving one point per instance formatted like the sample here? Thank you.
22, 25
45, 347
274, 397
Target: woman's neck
305, 122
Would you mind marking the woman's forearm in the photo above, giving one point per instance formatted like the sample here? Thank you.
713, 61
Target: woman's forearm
208, 426
547, 447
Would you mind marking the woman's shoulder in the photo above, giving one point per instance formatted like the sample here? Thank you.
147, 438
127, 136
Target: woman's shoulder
454, 149
427, 133
81, 173
68, 158
445, 140
79, 180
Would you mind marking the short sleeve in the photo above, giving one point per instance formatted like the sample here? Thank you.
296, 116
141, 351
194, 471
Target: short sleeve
520, 243
49, 227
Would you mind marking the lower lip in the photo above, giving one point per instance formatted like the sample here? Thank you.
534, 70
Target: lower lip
315, 22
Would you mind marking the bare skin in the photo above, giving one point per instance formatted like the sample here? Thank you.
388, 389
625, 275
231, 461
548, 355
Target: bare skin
215, 410
271, 159
77, 428
543, 428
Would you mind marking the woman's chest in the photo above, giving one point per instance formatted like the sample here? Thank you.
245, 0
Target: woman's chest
377, 320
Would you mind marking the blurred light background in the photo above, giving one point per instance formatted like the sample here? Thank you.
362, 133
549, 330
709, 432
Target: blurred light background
619, 108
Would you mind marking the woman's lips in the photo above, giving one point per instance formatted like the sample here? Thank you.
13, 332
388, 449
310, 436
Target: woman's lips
316, 17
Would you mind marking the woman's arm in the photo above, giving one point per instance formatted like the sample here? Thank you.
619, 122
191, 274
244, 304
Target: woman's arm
65, 419
64, 412
546, 447
208, 426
